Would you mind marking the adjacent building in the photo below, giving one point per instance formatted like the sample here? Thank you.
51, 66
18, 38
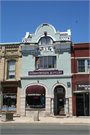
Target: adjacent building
10, 71
80, 67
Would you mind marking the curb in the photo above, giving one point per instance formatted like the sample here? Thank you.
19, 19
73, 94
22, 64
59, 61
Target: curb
44, 122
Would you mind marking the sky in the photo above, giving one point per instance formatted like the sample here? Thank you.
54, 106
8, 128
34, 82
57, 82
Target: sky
19, 17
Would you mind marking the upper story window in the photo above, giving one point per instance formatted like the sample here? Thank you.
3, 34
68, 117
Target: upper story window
45, 41
88, 65
11, 69
46, 62
81, 65
84, 65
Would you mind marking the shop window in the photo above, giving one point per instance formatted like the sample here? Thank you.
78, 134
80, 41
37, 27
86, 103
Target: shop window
45, 40
35, 101
11, 69
84, 66
46, 62
9, 102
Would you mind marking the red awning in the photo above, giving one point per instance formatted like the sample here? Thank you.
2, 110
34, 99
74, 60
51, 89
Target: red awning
35, 90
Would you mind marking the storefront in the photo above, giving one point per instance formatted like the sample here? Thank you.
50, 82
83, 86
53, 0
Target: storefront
35, 97
10, 96
82, 99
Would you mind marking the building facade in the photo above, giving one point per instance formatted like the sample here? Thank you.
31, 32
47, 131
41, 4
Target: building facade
46, 72
10, 71
80, 67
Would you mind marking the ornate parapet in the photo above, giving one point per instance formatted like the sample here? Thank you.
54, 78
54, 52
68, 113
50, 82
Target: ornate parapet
10, 51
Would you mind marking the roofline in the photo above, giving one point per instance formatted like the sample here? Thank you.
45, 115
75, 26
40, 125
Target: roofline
36, 43
81, 43
14, 43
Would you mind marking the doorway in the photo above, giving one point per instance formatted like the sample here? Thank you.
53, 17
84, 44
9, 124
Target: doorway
80, 107
82, 104
59, 100
60, 104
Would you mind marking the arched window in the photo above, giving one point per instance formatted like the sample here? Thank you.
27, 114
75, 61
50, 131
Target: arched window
45, 41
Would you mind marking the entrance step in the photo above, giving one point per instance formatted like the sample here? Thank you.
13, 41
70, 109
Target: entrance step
60, 116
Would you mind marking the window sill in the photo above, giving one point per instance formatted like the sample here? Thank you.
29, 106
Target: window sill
79, 73
11, 79
35, 109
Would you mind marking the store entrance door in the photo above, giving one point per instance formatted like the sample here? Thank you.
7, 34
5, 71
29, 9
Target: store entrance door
60, 104
82, 103
80, 107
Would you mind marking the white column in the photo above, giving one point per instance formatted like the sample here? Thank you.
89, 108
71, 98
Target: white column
67, 107
70, 106
48, 105
52, 103
22, 105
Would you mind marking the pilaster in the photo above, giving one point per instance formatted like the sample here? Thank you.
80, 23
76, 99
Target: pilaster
22, 105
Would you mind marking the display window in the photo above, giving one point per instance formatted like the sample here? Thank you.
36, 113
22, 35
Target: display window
9, 102
35, 101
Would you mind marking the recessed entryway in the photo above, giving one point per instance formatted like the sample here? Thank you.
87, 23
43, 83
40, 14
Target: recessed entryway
59, 100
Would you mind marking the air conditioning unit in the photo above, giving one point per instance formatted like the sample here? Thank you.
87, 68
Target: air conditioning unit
37, 66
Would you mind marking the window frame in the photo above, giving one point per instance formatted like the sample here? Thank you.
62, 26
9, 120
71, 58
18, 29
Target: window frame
35, 106
47, 62
86, 66
8, 69
45, 37
88, 70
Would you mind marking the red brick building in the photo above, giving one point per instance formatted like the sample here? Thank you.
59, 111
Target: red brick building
80, 69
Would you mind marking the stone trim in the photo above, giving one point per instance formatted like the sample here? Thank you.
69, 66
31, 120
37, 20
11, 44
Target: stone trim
30, 84
53, 87
45, 76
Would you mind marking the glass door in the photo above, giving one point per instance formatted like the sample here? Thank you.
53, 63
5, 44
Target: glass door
80, 105
60, 104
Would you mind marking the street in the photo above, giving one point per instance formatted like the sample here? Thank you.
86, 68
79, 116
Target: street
44, 129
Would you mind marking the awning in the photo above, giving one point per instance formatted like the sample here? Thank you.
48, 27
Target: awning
11, 83
83, 91
35, 90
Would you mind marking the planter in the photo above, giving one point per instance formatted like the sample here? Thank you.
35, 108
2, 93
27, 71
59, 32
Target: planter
7, 117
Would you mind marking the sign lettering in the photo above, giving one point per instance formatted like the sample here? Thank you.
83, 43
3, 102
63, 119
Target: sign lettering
45, 72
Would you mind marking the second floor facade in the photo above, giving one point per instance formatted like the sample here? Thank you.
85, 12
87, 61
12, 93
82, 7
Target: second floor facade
46, 50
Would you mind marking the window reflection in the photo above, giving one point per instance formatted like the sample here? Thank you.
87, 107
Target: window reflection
42, 41
45, 62
45, 40
41, 62
54, 62
49, 62
11, 71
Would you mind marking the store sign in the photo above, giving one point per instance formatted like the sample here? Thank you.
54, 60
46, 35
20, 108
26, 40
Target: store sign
60, 72
34, 94
83, 87
10, 96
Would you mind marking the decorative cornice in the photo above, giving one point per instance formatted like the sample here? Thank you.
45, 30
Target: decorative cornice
45, 76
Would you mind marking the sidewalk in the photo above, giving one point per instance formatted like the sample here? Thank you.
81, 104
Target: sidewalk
60, 120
